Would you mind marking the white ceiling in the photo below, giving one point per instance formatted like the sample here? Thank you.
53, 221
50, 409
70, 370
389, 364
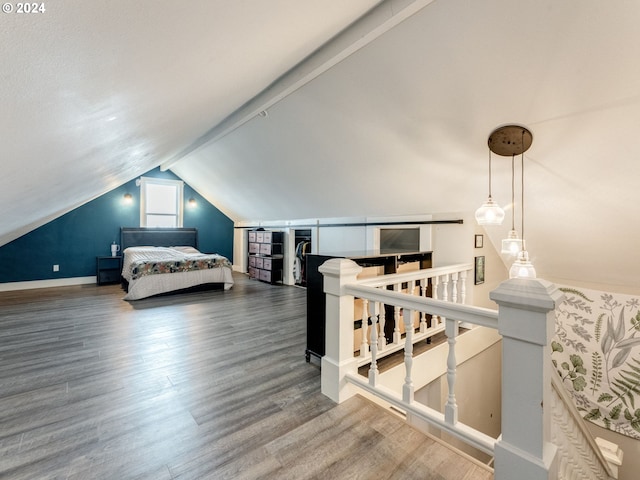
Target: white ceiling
94, 94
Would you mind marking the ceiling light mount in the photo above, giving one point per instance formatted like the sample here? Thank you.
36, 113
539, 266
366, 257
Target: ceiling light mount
510, 140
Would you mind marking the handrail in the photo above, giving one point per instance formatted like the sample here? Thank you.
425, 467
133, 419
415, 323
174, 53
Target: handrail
525, 322
473, 437
601, 466
447, 283
485, 317
382, 280
447, 315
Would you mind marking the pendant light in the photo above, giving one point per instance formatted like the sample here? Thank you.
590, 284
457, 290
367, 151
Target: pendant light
512, 244
522, 267
489, 212
509, 141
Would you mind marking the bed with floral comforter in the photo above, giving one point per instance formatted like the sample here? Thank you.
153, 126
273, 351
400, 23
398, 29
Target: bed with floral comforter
150, 271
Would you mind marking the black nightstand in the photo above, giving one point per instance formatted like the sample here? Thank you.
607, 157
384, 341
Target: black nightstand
108, 269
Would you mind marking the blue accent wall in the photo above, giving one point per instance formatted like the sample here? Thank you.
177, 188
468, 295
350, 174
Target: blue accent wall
73, 240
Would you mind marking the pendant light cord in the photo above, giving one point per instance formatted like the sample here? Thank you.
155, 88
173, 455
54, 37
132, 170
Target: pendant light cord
513, 198
489, 173
522, 190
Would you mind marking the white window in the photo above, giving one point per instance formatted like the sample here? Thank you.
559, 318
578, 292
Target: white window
160, 202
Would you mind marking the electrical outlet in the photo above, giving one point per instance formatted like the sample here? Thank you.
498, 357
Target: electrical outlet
56, 268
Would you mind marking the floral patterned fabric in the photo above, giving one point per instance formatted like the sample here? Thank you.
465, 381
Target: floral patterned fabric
199, 262
596, 351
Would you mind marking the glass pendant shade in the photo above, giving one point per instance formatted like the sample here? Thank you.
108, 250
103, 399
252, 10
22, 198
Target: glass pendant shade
522, 267
512, 244
490, 213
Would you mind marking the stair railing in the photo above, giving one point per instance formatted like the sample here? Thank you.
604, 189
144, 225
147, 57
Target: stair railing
578, 452
526, 323
448, 283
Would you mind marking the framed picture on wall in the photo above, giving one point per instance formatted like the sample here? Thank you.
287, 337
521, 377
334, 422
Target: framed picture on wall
479, 241
479, 270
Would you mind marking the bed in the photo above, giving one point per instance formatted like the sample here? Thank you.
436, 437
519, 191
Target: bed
162, 260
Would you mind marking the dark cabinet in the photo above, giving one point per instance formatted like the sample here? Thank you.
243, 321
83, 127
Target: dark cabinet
108, 269
316, 302
266, 255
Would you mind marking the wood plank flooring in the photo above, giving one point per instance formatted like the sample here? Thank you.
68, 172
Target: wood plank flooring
192, 386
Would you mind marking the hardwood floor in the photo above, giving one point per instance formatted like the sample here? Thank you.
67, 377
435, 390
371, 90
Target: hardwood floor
191, 386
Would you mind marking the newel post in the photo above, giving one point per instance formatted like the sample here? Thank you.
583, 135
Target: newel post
526, 321
338, 359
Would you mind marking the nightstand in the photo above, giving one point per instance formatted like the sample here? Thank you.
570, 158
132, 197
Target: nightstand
108, 269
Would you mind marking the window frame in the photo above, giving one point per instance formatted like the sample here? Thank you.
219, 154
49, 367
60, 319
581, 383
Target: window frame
179, 184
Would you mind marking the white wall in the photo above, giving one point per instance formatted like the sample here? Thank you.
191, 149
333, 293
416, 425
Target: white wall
456, 244
328, 239
361, 238
478, 395
340, 239
605, 287
450, 243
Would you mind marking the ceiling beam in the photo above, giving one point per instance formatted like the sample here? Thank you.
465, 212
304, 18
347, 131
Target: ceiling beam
380, 19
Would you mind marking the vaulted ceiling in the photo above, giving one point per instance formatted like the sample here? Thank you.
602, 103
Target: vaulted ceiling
286, 109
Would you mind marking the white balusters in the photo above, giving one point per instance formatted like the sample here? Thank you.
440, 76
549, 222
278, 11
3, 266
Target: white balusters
463, 287
411, 289
445, 294
373, 369
445, 287
435, 319
407, 388
424, 286
448, 286
396, 319
436, 285
382, 320
451, 408
364, 345
454, 287
525, 320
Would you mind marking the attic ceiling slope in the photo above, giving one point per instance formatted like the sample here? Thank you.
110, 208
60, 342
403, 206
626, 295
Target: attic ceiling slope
97, 93
386, 15
400, 127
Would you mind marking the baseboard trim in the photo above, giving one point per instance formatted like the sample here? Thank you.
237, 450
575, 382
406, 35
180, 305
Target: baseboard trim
57, 282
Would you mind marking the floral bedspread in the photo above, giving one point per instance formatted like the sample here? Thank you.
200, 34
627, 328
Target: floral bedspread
186, 264
596, 351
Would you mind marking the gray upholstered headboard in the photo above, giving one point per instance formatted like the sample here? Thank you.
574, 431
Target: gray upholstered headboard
158, 237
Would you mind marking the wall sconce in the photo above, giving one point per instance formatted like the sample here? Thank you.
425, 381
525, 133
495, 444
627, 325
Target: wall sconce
509, 141
128, 199
193, 203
